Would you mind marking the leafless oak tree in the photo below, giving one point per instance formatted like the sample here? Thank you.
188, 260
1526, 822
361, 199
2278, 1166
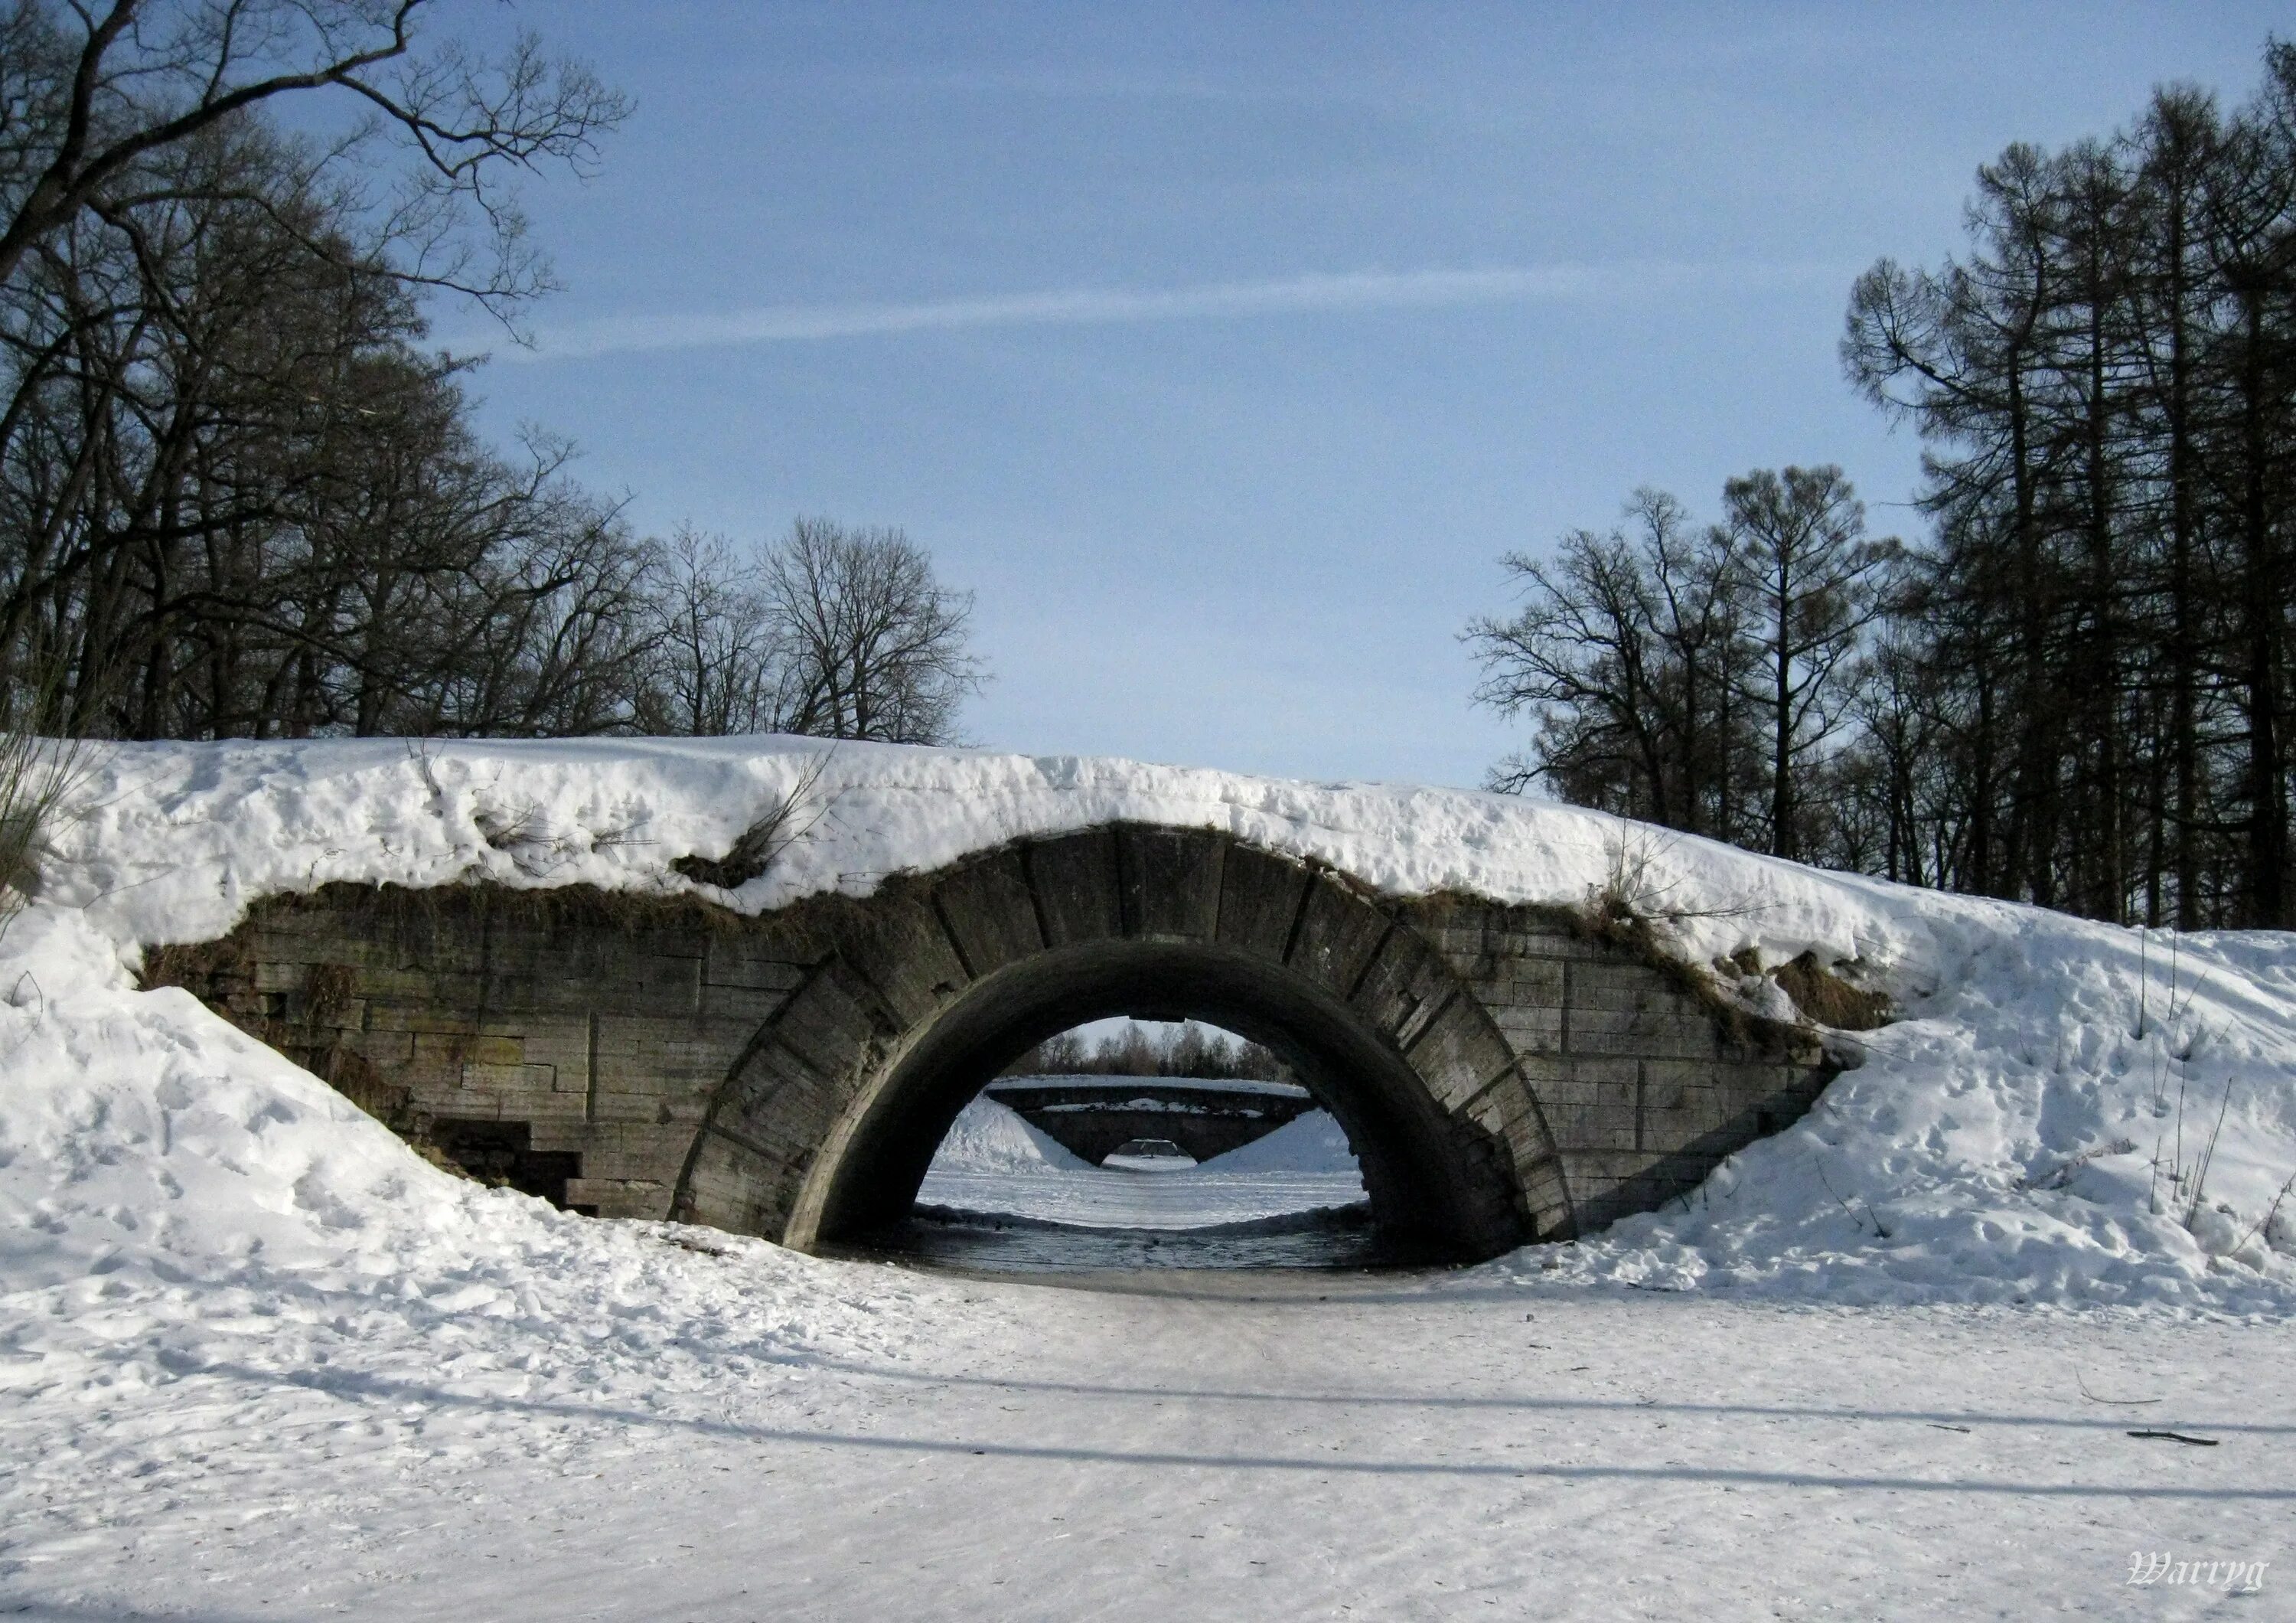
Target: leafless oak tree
872, 645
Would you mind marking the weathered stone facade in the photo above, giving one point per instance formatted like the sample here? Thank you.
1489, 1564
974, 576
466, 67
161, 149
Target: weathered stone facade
1644, 1086
1501, 1075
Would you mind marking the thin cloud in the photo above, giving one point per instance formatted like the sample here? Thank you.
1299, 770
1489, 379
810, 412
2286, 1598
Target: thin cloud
1081, 307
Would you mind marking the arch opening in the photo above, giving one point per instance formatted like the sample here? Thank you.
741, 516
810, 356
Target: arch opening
1088, 1092
1433, 1182
1128, 1144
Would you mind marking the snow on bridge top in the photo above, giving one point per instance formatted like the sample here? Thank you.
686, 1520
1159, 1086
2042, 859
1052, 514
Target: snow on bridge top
175, 841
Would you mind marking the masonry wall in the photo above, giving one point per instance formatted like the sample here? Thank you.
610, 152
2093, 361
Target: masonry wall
1644, 1089
587, 1032
602, 1028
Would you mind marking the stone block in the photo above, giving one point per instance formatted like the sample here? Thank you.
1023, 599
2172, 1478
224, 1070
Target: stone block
1338, 934
1527, 1137
382, 1049
740, 1186
1547, 1193
750, 1005
1655, 1035
1612, 1164
645, 1198
990, 911
1459, 1052
826, 1025
901, 951
1556, 946
1406, 985
496, 1051
1534, 1031
1529, 983
1259, 900
505, 1082
1557, 1091
412, 986
1171, 882
449, 1049
748, 962
1075, 881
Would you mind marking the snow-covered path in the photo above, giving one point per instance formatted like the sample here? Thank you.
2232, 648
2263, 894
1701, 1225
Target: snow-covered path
1193, 1445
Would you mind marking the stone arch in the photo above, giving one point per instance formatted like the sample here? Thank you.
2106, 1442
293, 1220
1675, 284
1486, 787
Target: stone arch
925, 991
1508, 1071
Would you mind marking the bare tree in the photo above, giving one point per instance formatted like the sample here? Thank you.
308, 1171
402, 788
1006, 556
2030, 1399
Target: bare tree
717, 648
96, 92
1630, 649
1812, 583
2083, 690
873, 647
1187, 1049
236, 496
1582, 655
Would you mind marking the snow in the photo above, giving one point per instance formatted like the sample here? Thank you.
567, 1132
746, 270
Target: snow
1103, 1084
176, 840
992, 1163
1312, 1142
2000, 1147
1124, 1198
2004, 1141
988, 1137
255, 1355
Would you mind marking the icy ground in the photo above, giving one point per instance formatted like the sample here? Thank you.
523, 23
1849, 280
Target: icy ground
258, 1360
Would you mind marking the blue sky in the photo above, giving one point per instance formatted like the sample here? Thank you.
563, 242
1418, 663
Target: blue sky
1221, 349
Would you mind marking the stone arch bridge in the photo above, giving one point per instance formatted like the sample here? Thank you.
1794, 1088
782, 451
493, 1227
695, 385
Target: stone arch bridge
1502, 1073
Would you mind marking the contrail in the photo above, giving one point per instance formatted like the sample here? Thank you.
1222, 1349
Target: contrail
1078, 307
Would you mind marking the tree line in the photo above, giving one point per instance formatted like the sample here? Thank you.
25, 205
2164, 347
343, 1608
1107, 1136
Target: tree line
241, 495
1188, 1049
2076, 688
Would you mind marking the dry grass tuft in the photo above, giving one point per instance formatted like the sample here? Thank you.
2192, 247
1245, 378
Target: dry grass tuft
1827, 998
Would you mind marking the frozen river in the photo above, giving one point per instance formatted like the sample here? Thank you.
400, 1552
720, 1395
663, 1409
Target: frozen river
1003, 1199
1092, 1219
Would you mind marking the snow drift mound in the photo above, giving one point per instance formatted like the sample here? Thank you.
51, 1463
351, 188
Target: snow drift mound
1310, 1142
2044, 1128
2067, 1112
177, 1201
990, 1137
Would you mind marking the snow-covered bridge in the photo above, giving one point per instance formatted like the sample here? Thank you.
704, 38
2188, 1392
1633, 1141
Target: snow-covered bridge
1093, 1116
1503, 1072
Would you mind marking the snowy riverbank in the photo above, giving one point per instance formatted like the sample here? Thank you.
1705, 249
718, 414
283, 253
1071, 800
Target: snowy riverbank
2068, 1112
248, 1340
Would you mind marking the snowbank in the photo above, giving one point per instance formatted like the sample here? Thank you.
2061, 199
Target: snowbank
1312, 1142
990, 1137
2033, 1130
2021, 1138
178, 1201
